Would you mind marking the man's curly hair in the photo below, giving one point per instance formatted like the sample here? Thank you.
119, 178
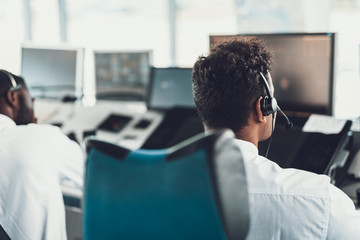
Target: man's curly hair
226, 83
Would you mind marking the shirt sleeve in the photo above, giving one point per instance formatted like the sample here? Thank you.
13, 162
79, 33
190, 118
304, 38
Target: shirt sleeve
344, 219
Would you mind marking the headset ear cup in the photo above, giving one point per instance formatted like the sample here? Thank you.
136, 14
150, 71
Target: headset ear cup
268, 105
274, 105
264, 105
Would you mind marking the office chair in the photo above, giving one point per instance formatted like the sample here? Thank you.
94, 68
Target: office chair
194, 190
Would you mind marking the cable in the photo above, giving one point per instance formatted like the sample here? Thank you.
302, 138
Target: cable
272, 131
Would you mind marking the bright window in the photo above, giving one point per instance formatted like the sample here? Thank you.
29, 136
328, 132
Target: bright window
126, 24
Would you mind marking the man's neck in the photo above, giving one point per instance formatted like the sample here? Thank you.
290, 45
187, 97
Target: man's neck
247, 137
249, 133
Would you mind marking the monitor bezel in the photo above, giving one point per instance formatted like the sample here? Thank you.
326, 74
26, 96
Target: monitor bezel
80, 57
332, 35
119, 51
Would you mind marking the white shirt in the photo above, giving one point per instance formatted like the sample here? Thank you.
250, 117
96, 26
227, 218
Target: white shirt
295, 204
34, 160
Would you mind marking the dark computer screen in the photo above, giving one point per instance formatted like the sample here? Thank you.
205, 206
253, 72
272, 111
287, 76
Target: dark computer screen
302, 71
170, 87
53, 72
122, 75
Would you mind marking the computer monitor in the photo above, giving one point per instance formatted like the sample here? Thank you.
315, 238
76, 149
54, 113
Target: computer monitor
302, 71
122, 75
170, 87
53, 72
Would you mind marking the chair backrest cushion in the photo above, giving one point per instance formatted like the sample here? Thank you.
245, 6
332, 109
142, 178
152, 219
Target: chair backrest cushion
145, 194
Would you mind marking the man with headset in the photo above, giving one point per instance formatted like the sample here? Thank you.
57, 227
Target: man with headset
233, 89
34, 160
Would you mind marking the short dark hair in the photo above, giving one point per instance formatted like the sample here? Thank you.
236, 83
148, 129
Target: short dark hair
227, 82
5, 82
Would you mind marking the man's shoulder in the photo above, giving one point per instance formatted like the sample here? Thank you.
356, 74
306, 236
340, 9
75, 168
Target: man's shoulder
42, 127
292, 195
268, 177
38, 131
286, 198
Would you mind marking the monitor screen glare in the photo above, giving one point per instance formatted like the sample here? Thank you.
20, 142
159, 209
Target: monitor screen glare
170, 87
122, 75
53, 73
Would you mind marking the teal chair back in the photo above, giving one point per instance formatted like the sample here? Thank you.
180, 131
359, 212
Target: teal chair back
194, 190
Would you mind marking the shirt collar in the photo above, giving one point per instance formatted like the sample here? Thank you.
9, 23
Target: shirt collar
6, 122
247, 145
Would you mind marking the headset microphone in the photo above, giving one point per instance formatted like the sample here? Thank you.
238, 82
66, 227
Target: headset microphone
289, 123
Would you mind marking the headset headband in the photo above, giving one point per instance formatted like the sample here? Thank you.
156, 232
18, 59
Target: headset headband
267, 87
14, 85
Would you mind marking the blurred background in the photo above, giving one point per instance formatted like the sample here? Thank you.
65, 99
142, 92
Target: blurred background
177, 31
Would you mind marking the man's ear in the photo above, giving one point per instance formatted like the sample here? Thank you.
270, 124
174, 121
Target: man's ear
12, 98
259, 115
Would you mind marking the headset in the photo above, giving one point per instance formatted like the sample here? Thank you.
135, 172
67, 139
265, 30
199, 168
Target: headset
269, 104
14, 85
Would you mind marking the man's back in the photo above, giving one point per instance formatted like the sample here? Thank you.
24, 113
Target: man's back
295, 204
35, 159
